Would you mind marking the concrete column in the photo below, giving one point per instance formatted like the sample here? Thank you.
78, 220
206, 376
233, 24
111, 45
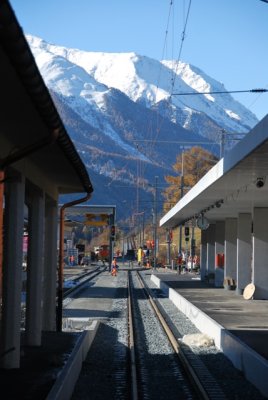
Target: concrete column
36, 207
211, 233
219, 249
230, 260
260, 253
203, 255
50, 266
244, 252
12, 273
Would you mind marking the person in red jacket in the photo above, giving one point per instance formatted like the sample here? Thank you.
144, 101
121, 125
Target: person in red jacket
114, 267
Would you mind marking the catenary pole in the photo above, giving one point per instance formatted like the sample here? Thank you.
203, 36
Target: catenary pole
182, 188
155, 222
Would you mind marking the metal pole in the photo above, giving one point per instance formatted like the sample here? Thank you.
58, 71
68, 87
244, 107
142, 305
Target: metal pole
111, 241
2, 178
182, 187
168, 246
222, 143
143, 228
155, 222
192, 245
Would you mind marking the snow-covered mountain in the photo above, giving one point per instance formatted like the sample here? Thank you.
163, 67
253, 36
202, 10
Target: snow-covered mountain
118, 110
150, 82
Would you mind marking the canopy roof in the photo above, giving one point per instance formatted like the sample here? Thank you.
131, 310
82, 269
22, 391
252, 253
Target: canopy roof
231, 183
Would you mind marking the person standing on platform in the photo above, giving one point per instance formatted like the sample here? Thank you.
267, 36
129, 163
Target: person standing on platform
114, 267
140, 254
179, 263
72, 260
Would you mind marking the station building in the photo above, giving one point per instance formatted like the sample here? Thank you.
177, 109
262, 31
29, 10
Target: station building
230, 204
38, 163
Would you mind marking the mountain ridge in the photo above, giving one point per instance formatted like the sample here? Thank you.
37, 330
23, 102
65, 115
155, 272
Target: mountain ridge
126, 126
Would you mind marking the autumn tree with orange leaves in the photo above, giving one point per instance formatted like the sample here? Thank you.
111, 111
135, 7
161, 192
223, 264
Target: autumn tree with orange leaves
195, 163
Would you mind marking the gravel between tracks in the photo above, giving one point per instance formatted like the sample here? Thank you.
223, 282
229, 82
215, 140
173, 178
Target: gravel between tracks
104, 372
160, 374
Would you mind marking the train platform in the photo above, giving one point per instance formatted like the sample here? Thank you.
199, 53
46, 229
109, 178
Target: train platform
238, 326
42, 367
50, 371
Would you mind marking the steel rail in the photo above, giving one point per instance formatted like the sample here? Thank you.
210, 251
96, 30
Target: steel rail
133, 367
73, 289
187, 366
78, 277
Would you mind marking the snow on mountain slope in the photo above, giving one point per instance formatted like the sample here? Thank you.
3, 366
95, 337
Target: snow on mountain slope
149, 81
116, 108
81, 92
201, 82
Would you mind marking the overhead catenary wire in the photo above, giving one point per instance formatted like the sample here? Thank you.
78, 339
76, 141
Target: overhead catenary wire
158, 128
176, 142
152, 134
155, 134
256, 98
150, 143
181, 46
221, 92
166, 32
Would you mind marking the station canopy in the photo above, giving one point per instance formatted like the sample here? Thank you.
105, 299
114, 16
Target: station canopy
236, 184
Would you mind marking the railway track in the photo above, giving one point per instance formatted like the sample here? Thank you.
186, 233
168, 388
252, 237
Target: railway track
77, 281
74, 281
155, 348
133, 358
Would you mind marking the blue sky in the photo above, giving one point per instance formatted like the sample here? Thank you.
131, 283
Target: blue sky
227, 39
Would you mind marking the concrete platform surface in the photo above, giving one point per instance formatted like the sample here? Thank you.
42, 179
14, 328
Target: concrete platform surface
45, 369
246, 319
50, 370
40, 367
238, 327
